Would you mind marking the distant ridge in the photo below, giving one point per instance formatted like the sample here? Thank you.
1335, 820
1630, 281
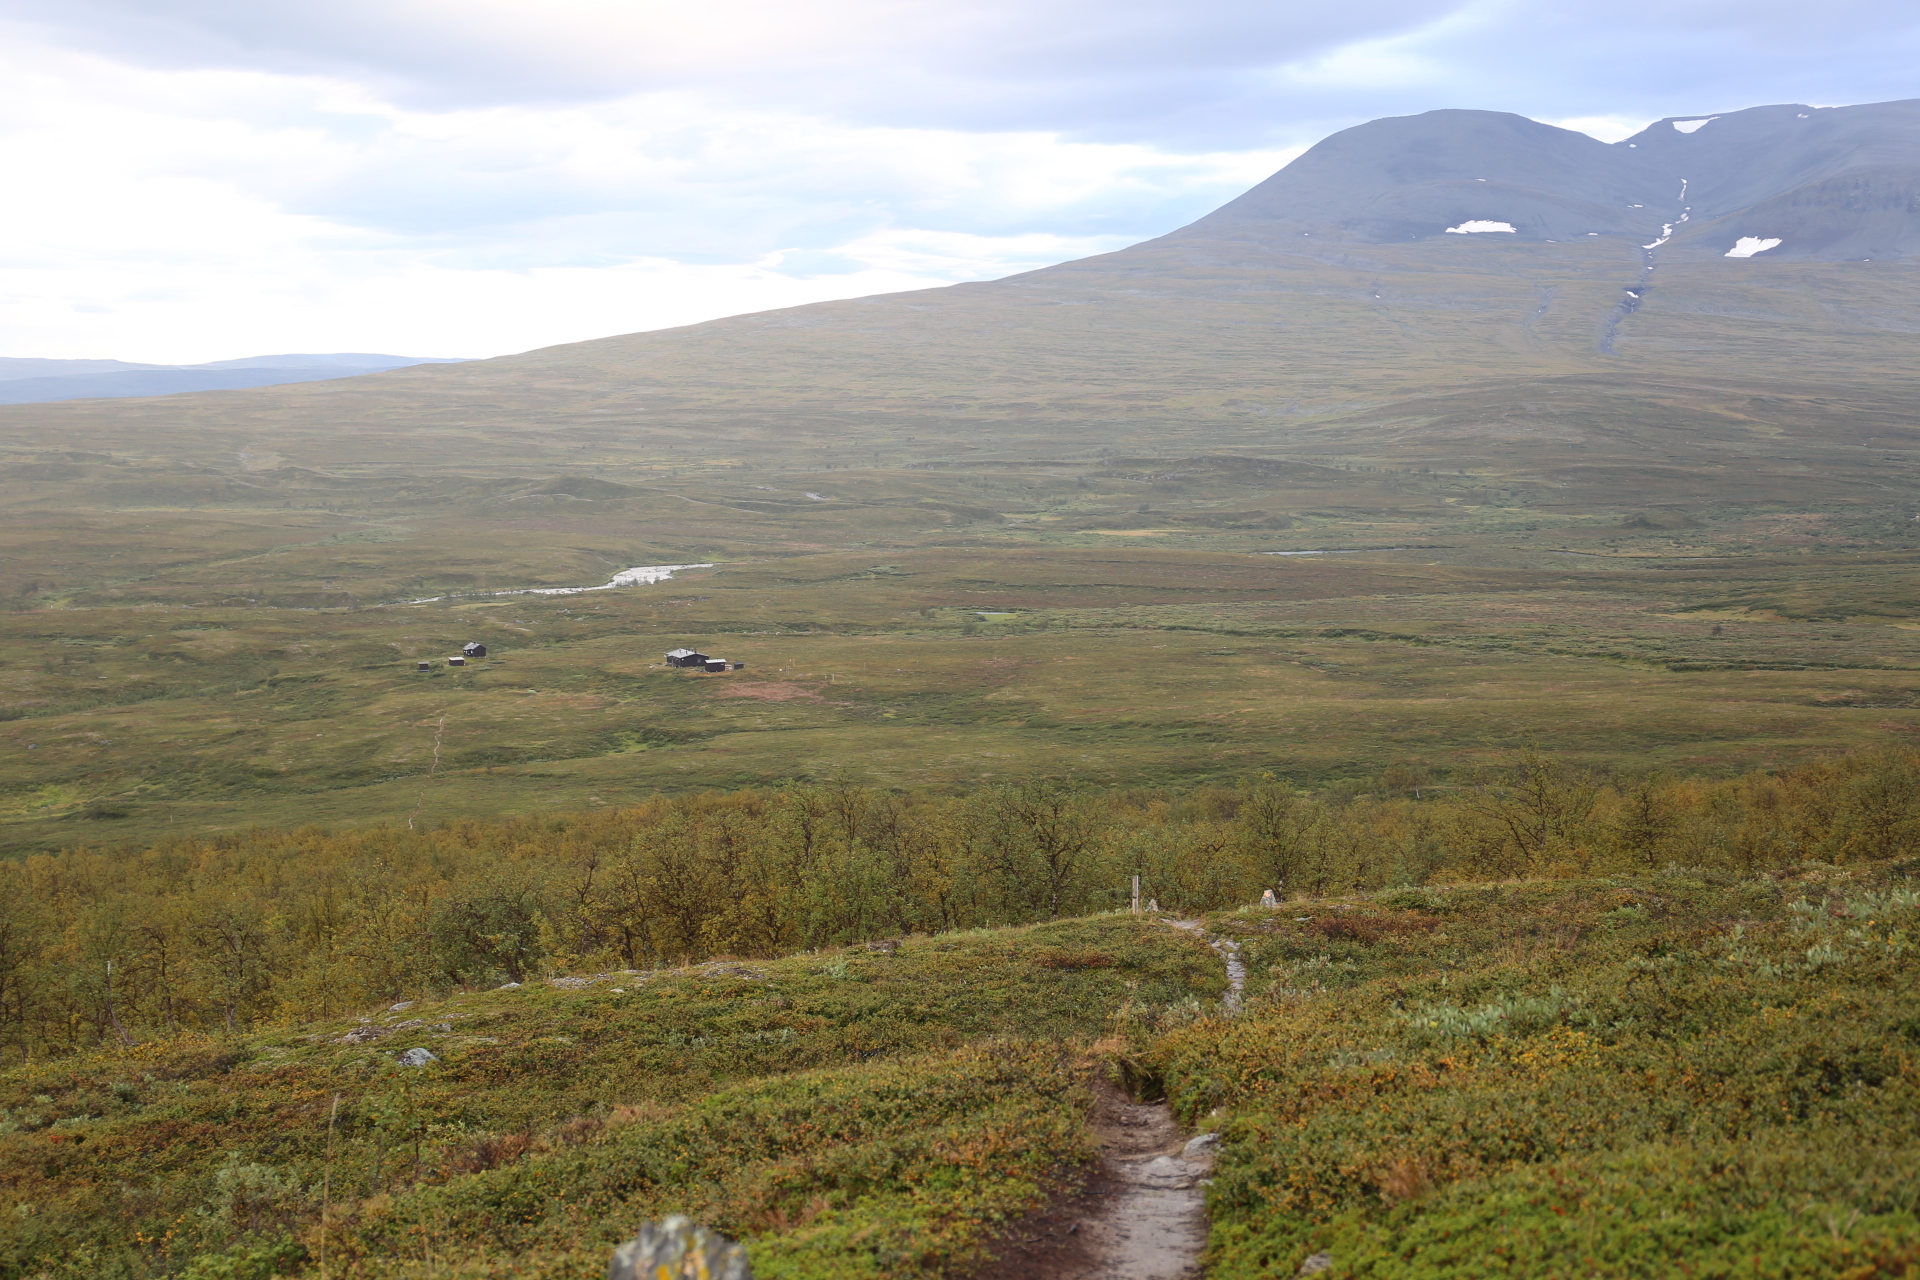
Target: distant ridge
1725, 306
27, 380
1822, 183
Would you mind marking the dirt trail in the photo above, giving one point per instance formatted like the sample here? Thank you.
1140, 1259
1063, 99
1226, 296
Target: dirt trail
1143, 1216
1230, 952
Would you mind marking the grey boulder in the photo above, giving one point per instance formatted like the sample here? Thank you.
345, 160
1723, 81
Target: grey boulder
675, 1249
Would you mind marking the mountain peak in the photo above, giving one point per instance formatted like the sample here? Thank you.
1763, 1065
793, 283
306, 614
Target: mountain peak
1827, 183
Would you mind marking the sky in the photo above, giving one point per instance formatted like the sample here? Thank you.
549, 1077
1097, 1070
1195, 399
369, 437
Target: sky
194, 180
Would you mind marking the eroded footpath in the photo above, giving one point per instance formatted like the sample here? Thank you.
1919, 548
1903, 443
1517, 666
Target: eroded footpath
1143, 1215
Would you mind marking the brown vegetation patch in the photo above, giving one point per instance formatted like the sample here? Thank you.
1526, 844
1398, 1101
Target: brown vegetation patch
1372, 928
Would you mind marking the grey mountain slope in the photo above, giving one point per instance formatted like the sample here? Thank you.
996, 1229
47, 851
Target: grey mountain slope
1831, 183
1409, 178
361, 360
1240, 332
35, 381
12, 367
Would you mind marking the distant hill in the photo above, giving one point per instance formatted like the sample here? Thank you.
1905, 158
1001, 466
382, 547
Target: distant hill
25, 380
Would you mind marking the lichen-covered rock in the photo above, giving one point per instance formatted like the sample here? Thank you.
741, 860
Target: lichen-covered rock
364, 1035
418, 1057
675, 1249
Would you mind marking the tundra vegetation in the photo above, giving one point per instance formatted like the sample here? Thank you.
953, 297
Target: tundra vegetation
1557, 656
1549, 1022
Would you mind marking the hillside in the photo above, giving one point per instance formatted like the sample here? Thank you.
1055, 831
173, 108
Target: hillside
1680, 1074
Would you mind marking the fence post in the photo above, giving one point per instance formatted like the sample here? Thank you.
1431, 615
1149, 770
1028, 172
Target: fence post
1136, 895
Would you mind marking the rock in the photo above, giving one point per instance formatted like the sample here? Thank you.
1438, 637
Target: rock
574, 984
885, 947
418, 1057
404, 1004
364, 1035
675, 1249
1200, 1144
732, 971
442, 1027
1317, 1263
408, 1025
1266, 900
506, 986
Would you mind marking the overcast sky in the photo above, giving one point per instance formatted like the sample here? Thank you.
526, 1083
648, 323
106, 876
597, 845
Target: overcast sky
199, 179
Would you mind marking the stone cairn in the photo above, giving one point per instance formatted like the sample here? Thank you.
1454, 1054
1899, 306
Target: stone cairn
675, 1249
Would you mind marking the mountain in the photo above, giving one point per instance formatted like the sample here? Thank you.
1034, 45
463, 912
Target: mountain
1821, 184
25, 380
1321, 312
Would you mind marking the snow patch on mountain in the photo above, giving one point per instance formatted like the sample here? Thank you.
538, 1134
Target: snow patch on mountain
1477, 226
1747, 246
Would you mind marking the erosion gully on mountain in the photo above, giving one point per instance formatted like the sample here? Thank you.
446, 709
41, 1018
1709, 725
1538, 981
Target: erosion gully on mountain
1142, 1216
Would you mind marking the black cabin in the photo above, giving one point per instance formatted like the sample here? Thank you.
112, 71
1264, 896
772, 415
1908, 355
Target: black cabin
686, 658
473, 649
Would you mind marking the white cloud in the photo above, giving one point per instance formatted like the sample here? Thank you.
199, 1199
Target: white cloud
192, 215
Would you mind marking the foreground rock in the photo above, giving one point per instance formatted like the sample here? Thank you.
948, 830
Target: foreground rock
675, 1249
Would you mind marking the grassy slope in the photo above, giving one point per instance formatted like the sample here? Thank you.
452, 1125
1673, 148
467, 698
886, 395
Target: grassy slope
1676, 1076
1661, 1076
849, 1114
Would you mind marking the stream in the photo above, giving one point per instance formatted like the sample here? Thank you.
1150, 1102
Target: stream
639, 576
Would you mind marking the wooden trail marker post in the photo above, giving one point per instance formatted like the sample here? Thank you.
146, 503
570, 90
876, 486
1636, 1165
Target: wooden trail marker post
1136, 895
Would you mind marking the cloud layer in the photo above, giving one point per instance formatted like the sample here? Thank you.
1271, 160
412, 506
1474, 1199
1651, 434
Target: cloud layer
207, 178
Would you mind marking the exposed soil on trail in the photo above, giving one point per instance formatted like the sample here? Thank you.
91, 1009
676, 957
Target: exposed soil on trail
1142, 1216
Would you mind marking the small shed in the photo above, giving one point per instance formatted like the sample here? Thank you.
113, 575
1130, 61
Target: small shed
473, 649
686, 658
715, 664
456, 662
424, 666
